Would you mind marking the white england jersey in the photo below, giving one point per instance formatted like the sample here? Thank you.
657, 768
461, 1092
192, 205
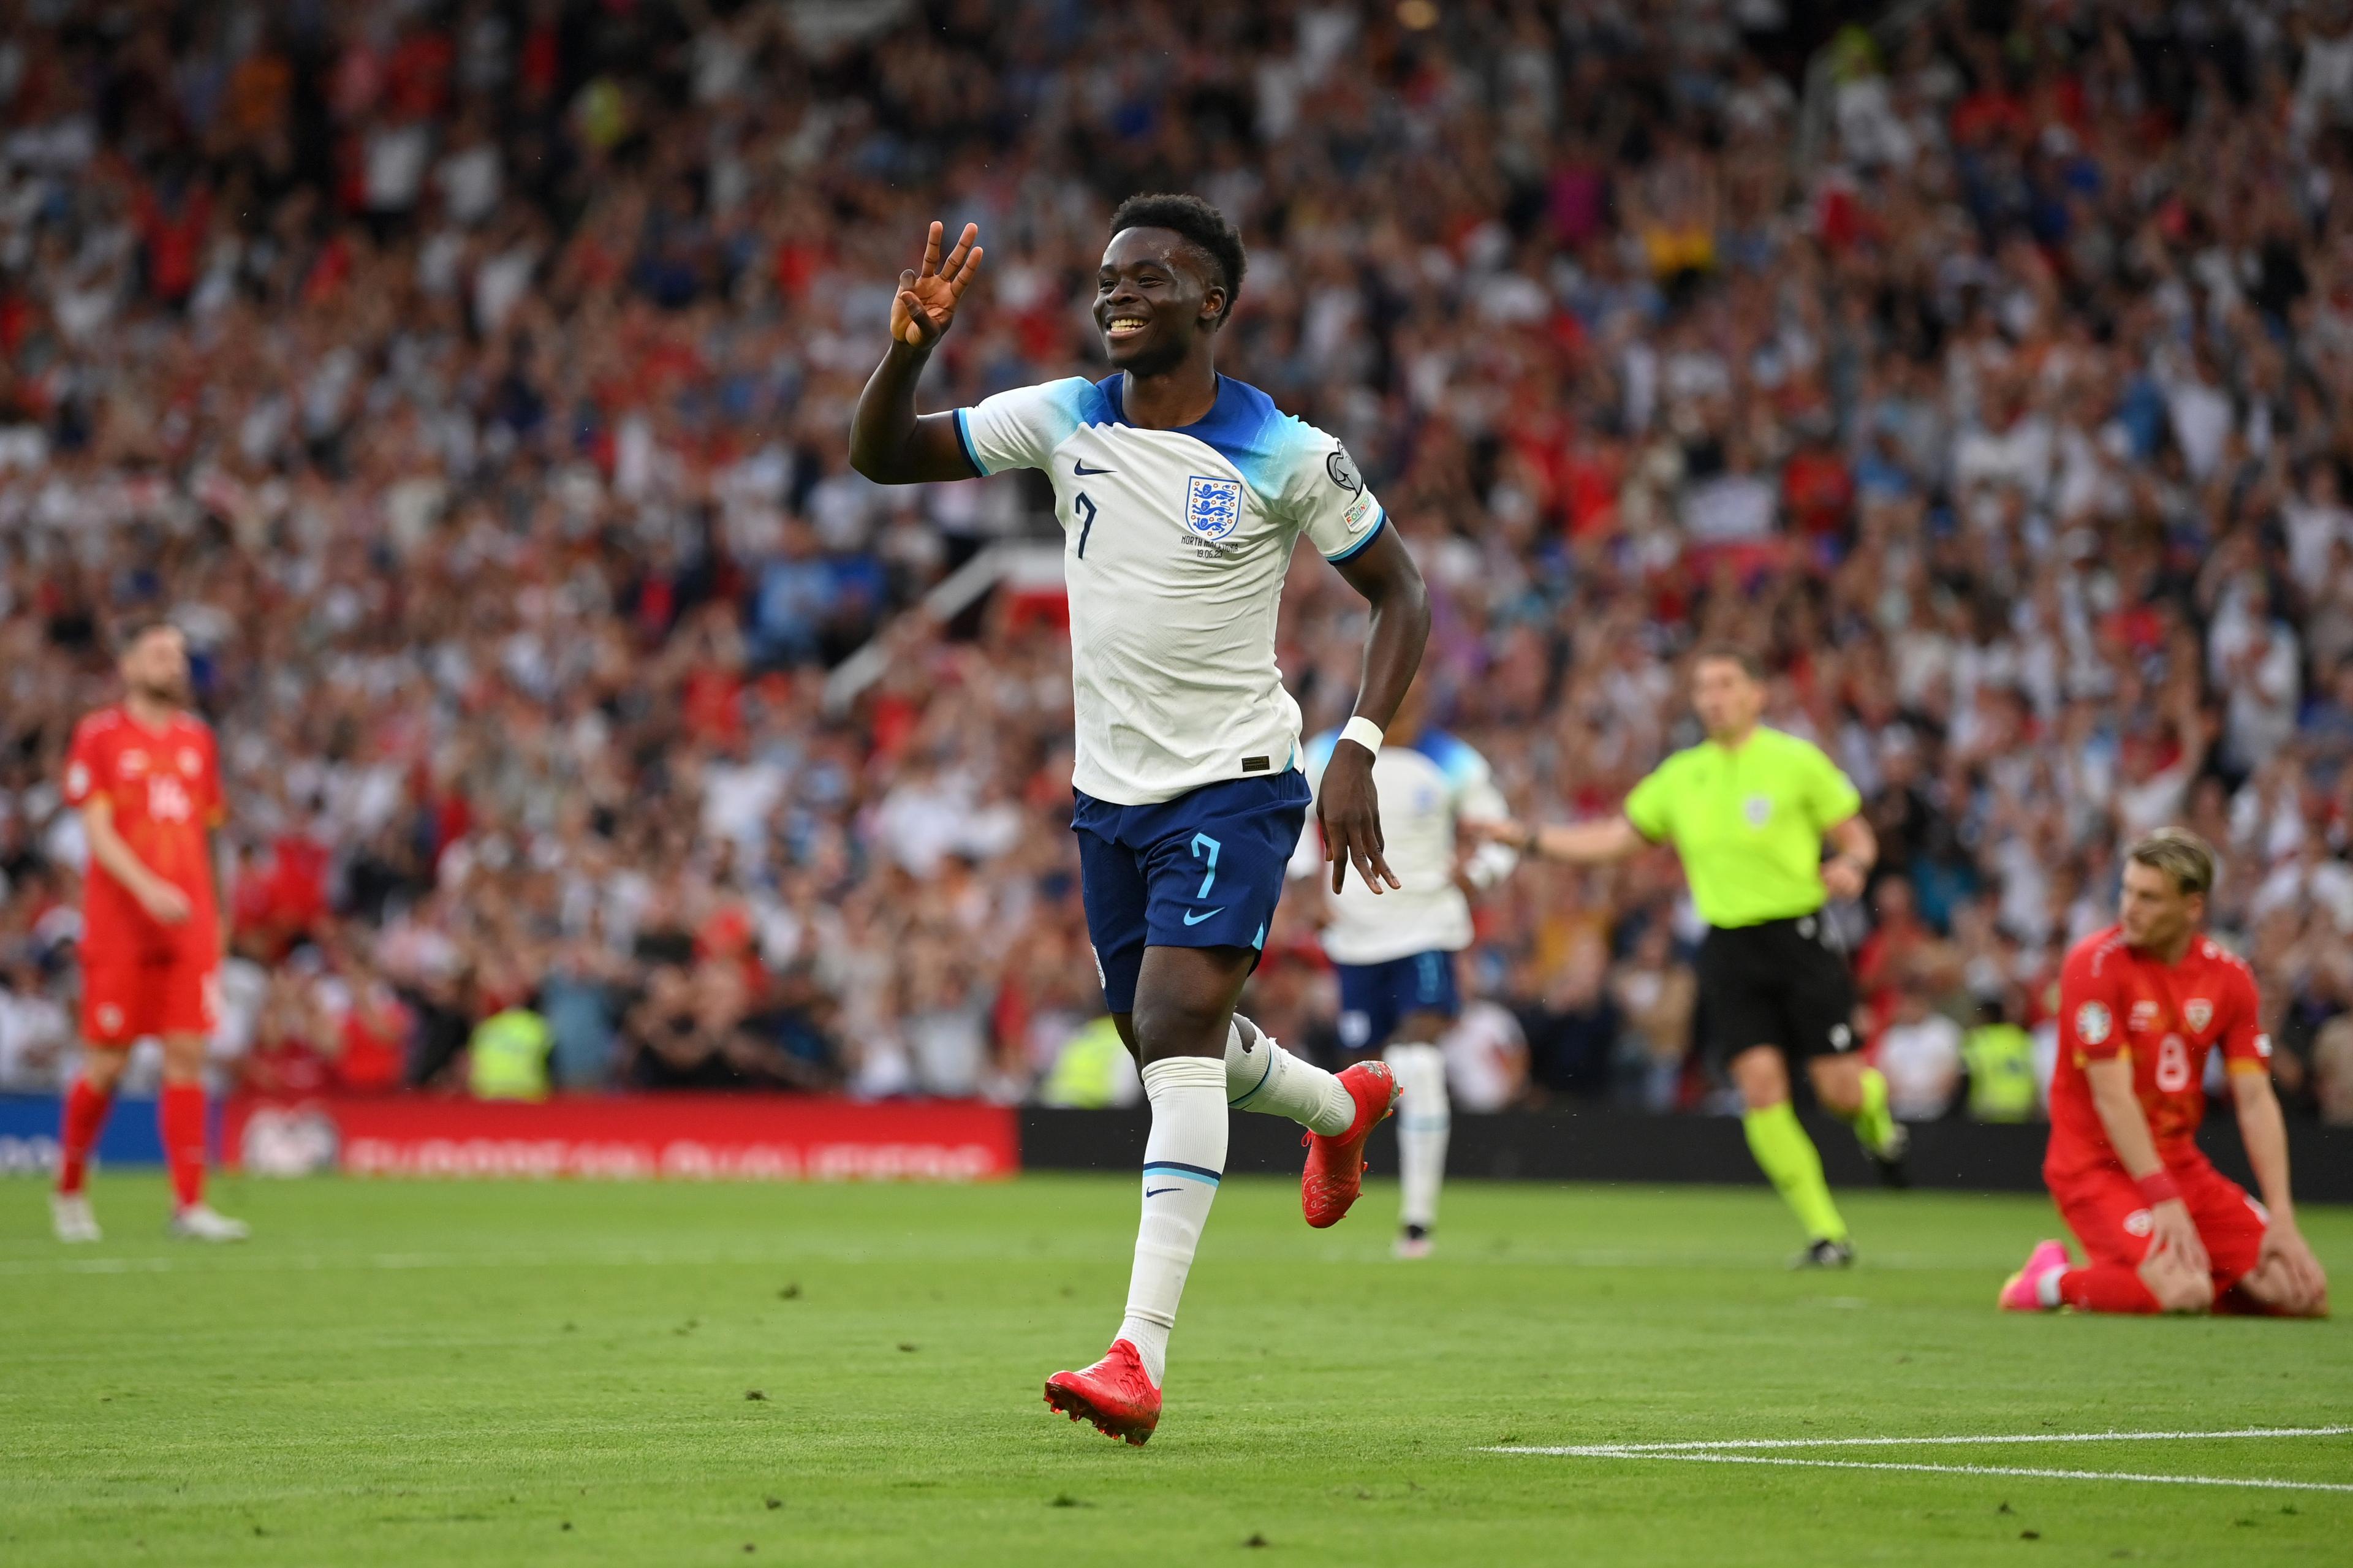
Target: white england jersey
1178, 542
1425, 789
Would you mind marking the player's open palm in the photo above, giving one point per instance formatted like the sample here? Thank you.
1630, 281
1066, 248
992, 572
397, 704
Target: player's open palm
927, 296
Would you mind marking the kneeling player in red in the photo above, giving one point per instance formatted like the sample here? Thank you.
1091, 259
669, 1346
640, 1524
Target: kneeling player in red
2141, 1006
146, 779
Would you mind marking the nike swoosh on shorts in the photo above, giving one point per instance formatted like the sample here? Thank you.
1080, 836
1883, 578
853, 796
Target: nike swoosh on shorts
1204, 914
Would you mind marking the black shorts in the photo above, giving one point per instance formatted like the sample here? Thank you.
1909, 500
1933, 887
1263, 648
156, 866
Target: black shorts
1783, 983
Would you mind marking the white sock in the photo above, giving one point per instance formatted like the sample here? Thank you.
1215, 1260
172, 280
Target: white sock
1425, 1117
1182, 1160
1261, 1075
2046, 1289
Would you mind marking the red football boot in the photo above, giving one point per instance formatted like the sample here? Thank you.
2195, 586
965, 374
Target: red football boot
1116, 1394
1336, 1167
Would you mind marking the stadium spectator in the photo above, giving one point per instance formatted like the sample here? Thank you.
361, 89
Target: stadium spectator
2332, 1066
1920, 1052
1092, 1072
1486, 1058
1573, 1028
471, 382
1656, 993
36, 1034
576, 997
291, 1057
1998, 1057
506, 1056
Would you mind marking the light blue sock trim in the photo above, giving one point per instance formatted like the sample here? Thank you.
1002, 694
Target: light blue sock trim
1182, 1172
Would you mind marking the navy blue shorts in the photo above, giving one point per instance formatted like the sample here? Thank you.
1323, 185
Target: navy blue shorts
1374, 996
1202, 870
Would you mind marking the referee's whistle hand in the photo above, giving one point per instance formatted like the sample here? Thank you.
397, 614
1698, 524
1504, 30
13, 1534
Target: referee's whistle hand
1843, 879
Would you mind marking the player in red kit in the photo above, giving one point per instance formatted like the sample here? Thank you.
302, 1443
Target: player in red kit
145, 777
2141, 1006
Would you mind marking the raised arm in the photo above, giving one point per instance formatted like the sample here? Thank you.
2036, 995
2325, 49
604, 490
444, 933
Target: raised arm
1345, 804
890, 443
2285, 1271
1576, 844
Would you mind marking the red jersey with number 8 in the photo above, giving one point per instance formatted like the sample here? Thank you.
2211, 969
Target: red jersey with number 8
164, 786
2115, 1000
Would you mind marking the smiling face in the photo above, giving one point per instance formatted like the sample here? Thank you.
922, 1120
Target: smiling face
1156, 297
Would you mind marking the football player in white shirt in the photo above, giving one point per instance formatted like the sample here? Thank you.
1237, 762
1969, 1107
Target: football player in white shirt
1181, 494
1395, 953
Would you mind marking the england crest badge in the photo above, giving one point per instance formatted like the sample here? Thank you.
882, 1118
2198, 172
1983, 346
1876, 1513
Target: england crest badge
1213, 507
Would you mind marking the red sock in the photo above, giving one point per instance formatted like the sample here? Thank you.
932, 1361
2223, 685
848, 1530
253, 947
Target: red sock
2105, 1288
180, 1116
78, 1130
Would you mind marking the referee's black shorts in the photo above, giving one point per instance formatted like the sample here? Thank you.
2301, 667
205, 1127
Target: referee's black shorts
1781, 982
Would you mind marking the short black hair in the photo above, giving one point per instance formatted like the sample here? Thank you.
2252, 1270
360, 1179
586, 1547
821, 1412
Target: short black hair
1202, 226
1747, 658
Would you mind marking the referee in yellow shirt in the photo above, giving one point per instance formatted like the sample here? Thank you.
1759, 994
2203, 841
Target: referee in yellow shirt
1748, 810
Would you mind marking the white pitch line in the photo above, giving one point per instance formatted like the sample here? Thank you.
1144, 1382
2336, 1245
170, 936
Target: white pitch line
1723, 1451
2264, 1483
1620, 1450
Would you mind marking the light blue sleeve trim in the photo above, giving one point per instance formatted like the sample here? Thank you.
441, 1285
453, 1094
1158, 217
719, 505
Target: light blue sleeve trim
964, 437
1356, 549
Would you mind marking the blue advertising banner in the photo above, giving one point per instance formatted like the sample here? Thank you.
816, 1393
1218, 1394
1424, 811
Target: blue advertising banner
28, 1134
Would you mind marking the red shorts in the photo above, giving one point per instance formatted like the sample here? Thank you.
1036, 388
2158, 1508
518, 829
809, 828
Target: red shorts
154, 993
2110, 1217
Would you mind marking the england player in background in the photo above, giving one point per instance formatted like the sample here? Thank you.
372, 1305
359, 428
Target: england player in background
1181, 494
1396, 952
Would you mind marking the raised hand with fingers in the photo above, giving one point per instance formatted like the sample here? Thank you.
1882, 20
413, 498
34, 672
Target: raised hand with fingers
926, 302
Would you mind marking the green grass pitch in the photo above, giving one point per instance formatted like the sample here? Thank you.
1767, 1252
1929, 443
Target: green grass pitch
407, 1374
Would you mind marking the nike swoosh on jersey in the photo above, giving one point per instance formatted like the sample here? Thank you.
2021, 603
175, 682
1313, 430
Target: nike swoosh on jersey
1204, 914
1079, 466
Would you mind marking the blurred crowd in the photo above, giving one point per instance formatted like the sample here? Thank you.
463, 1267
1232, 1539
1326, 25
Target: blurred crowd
471, 380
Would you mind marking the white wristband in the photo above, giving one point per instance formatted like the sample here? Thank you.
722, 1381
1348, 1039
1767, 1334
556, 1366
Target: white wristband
1364, 732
